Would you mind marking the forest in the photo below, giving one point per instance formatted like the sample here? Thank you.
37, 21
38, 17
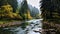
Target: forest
10, 11
19, 17
51, 14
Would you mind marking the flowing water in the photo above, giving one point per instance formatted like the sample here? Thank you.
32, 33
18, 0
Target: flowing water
33, 28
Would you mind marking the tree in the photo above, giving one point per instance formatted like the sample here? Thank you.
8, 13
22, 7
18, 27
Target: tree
5, 10
3, 2
51, 13
24, 8
27, 15
50, 10
14, 4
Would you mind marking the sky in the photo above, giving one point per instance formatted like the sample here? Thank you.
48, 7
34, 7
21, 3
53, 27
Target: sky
35, 3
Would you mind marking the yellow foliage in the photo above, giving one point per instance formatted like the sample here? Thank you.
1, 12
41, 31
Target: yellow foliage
10, 15
28, 15
17, 16
7, 11
14, 15
7, 8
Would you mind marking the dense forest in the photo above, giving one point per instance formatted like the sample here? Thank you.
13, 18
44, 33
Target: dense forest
10, 10
51, 14
19, 17
50, 10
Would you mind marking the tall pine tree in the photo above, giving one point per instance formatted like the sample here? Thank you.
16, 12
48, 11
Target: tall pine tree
24, 8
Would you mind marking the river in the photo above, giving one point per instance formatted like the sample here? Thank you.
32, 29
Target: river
34, 27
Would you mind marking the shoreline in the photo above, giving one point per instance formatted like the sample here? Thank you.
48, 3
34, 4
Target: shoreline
14, 23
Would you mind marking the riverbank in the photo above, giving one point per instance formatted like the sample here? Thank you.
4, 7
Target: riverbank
50, 25
11, 24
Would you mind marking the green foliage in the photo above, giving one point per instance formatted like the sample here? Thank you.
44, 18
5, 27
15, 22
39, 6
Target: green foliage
6, 11
24, 10
3, 2
50, 10
51, 14
13, 3
24, 7
8, 7
33, 11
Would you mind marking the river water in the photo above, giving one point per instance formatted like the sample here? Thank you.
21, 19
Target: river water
34, 27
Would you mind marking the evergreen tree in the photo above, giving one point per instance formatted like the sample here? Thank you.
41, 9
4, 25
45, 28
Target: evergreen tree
50, 10
24, 8
2, 2
14, 4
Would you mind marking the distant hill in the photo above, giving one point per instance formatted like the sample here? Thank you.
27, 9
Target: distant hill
33, 10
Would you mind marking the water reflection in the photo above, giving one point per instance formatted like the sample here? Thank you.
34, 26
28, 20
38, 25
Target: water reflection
2, 31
